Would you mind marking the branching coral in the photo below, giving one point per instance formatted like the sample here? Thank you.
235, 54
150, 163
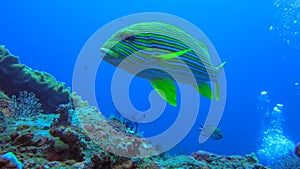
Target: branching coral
26, 104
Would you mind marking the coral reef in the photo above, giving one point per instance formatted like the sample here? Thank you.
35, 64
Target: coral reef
206, 160
70, 144
65, 118
26, 104
11, 157
6, 108
122, 125
39, 144
2, 122
7, 164
101, 132
77, 136
16, 77
297, 150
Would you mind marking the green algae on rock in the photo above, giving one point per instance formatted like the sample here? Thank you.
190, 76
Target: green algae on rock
16, 77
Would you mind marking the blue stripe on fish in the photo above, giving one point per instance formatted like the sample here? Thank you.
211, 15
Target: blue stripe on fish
146, 43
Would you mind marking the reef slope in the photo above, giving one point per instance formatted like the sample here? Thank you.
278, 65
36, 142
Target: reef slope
56, 139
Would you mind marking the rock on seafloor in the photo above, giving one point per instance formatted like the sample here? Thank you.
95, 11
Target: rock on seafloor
58, 139
16, 77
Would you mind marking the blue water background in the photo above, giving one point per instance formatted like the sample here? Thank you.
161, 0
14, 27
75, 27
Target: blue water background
48, 36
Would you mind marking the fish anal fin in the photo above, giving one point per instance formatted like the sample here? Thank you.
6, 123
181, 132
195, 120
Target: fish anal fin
204, 90
165, 89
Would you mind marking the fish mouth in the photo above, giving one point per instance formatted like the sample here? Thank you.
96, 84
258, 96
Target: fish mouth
108, 52
104, 50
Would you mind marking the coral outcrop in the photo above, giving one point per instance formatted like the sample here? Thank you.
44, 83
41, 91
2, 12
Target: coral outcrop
39, 144
77, 136
10, 158
16, 77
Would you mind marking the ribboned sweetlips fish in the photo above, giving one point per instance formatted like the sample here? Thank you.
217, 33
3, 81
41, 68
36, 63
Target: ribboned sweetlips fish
163, 45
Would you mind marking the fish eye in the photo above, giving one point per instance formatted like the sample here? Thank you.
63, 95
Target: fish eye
129, 38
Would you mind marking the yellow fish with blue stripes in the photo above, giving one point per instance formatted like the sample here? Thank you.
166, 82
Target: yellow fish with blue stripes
163, 44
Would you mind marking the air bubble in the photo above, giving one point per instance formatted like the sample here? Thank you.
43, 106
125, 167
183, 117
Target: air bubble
264, 93
286, 21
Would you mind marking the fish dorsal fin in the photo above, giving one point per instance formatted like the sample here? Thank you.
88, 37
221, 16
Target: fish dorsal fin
168, 56
166, 89
221, 65
204, 90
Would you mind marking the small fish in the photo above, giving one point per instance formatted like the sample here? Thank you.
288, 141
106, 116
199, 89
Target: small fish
161, 44
216, 132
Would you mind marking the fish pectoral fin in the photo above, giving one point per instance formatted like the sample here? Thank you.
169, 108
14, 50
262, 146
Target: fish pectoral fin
172, 55
204, 90
165, 89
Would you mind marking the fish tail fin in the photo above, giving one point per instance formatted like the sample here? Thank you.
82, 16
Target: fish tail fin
205, 90
200, 127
